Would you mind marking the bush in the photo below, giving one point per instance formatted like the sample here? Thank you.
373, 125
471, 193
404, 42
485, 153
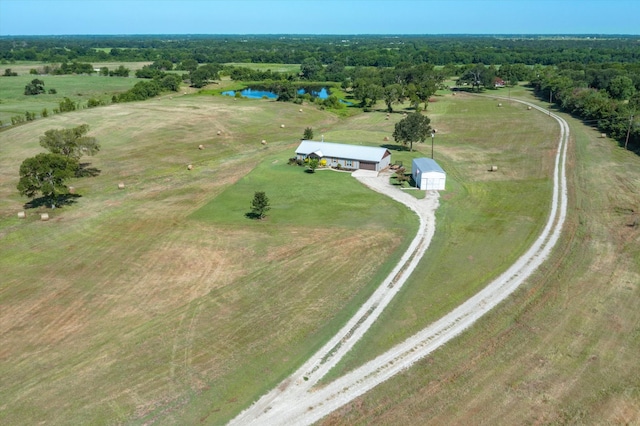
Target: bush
66, 105
17, 119
92, 103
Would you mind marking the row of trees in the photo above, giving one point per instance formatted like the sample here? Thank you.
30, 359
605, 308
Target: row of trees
606, 97
377, 51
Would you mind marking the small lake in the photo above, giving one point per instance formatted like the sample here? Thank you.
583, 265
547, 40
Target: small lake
252, 93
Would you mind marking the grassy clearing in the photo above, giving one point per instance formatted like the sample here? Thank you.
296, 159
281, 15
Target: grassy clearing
140, 304
284, 68
78, 88
563, 349
483, 224
161, 303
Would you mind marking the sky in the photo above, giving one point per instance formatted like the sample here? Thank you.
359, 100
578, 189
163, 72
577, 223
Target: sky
81, 17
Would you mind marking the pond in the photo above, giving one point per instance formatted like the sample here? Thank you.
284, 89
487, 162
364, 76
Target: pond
253, 93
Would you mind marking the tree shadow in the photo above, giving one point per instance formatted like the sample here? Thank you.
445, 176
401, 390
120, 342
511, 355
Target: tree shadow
394, 147
85, 171
253, 216
61, 201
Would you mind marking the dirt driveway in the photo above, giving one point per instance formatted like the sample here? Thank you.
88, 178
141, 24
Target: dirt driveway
296, 402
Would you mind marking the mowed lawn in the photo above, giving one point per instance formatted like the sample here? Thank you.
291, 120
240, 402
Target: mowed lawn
134, 304
561, 350
162, 303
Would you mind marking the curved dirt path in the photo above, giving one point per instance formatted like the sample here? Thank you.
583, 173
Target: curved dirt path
295, 402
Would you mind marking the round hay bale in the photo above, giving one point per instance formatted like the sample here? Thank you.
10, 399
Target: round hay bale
386, 138
263, 142
72, 190
300, 110
529, 108
219, 132
44, 216
121, 185
282, 126
603, 135
494, 168
200, 147
190, 167
499, 105
22, 215
435, 130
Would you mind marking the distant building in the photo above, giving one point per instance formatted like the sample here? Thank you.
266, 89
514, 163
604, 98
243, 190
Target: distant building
498, 82
352, 157
428, 175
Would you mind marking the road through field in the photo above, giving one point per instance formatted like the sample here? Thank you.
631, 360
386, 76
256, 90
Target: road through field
296, 402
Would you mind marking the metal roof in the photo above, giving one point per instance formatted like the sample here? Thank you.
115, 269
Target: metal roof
427, 165
341, 150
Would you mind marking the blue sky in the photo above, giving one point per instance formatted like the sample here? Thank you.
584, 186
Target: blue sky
56, 17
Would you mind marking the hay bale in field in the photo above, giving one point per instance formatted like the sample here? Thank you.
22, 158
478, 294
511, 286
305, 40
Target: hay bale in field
72, 190
499, 105
603, 135
121, 185
263, 142
219, 133
201, 147
190, 167
300, 110
282, 126
493, 169
386, 138
22, 215
44, 216
529, 108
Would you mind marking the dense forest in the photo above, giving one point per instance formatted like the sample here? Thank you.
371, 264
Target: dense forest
594, 77
379, 51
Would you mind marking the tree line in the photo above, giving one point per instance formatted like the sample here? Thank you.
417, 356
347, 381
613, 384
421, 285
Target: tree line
377, 51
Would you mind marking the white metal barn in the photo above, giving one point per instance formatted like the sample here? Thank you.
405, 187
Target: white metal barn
428, 175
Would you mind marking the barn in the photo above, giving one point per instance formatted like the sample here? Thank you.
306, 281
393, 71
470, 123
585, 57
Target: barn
350, 157
428, 175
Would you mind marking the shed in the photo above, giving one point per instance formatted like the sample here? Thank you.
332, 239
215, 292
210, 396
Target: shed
346, 156
428, 175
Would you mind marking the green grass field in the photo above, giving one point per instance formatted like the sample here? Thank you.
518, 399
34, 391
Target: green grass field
78, 88
162, 303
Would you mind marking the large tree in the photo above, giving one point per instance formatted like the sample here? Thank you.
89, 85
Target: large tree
36, 87
46, 174
71, 143
415, 127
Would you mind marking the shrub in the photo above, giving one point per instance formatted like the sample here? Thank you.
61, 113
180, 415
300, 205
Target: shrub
92, 103
17, 119
66, 105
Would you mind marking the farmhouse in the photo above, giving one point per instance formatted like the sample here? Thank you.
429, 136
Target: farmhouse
427, 174
345, 156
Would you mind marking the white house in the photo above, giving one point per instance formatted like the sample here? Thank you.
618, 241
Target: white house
428, 175
347, 156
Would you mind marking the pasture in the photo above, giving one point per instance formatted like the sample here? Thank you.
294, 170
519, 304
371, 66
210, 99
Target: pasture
162, 303
78, 88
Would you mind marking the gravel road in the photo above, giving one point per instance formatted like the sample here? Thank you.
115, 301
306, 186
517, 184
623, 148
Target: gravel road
296, 402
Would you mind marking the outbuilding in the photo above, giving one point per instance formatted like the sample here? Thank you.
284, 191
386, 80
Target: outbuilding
428, 175
346, 156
